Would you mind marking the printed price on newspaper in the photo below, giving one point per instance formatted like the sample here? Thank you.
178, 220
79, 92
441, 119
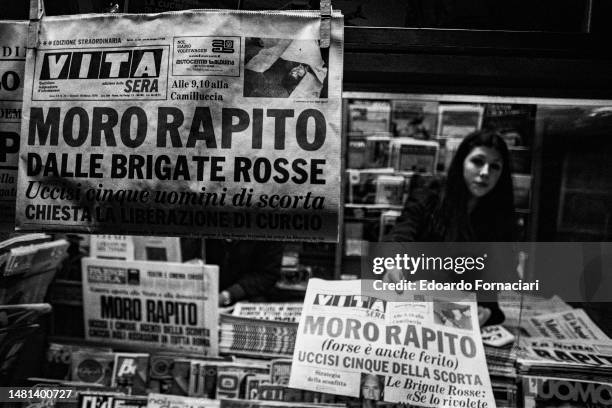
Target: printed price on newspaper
13, 37
151, 304
427, 354
215, 123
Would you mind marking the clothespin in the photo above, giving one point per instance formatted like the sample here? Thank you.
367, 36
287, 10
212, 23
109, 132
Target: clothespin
37, 11
325, 30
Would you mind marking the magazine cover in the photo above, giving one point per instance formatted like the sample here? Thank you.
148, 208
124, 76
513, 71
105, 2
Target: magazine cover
131, 373
151, 304
547, 392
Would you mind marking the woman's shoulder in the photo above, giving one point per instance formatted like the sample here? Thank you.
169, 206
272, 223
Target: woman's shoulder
426, 190
423, 199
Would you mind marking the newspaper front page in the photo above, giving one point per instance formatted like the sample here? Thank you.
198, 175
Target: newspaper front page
426, 354
215, 123
152, 305
13, 38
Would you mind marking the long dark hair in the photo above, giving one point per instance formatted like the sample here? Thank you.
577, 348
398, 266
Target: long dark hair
496, 209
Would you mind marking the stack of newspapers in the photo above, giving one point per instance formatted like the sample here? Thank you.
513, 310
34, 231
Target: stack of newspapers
27, 266
567, 360
260, 330
501, 360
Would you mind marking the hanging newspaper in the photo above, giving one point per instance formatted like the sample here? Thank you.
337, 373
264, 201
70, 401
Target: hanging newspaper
151, 305
423, 353
215, 123
13, 38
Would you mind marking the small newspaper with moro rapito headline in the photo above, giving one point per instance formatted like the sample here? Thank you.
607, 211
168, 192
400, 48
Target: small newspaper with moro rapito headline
422, 351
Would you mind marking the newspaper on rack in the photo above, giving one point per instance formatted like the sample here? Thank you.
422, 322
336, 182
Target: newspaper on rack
517, 306
152, 305
256, 337
215, 123
236, 403
14, 35
177, 401
546, 392
565, 354
426, 353
134, 247
571, 324
288, 312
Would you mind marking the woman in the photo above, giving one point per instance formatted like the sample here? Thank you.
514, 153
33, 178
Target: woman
476, 204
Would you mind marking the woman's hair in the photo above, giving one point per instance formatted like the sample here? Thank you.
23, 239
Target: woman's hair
496, 209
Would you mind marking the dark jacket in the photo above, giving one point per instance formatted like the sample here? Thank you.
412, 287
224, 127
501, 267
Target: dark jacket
419, 223
247, 269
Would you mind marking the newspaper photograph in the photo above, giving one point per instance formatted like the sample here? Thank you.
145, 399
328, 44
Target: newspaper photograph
367, 347
214, 123
571, 324
13, 38
152, 305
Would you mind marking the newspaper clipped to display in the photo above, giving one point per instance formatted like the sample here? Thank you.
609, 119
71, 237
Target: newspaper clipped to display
215, 123
152, 305
427, 354
13, 38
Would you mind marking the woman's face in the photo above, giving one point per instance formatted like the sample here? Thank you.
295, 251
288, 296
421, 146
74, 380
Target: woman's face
481, 170
371, 388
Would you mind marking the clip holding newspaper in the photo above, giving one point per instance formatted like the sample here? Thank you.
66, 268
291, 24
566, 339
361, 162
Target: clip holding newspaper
151, 305
211, 123
14, 35
427, 353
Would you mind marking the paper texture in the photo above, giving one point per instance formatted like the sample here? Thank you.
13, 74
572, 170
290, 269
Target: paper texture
210, 123
427, 354
13, 37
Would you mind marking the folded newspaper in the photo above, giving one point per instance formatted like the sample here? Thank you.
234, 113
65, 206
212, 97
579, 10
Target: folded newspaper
566, 325
547, 392
427, 354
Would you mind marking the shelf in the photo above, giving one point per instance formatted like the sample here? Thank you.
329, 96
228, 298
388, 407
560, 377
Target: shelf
374, 206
